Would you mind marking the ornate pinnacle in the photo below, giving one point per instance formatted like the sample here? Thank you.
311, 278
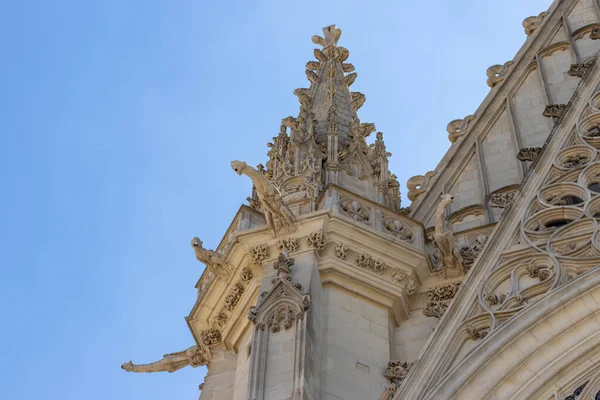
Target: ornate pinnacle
332, 35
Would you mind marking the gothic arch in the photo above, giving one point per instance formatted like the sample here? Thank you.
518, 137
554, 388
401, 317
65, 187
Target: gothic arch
527, 354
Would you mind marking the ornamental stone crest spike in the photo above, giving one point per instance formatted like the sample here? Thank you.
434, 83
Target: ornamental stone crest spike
332, 35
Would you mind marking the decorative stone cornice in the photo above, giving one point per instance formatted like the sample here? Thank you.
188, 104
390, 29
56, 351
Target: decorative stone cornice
367, 262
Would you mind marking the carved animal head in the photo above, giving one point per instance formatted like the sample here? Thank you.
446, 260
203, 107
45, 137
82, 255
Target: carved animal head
446, 199
238, 166
196, 242
128, 366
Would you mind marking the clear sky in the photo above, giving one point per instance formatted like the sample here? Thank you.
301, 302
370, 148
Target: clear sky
120, 119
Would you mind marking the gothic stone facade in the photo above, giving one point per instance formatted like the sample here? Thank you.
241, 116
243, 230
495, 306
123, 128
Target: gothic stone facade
323, 287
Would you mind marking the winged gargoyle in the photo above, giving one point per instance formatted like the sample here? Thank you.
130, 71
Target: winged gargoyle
279, 217
443, 240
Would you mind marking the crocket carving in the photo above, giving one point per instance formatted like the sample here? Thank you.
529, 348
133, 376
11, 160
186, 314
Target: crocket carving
443, 241
279, 218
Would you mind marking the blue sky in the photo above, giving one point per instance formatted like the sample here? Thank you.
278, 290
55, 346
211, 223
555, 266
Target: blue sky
120, 119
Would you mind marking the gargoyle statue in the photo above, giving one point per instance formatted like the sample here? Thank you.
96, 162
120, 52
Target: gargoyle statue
443, 241
193, 356
214, 262
279, 218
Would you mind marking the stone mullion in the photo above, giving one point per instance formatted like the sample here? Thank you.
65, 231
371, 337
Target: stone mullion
567, 30
483, 178
514, 129
543, 79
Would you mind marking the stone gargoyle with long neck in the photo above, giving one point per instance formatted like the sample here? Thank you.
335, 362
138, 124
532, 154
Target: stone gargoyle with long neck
193, 356
279, 217
443, 240
214, 262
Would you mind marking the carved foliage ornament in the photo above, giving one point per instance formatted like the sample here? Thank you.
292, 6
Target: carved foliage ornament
501, 200
316, 240
397, 228
581, 70
529, 153
259, 254
355, 210
341, 250
290, 244
396, 371
439, 298
367, 262
554, 110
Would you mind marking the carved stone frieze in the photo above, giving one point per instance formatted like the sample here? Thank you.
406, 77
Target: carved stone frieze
290, 244
316, 240
496, 73
367, 262
397, 228
529, 153
439, 298
581, 70
554, 110
234, 296
341, 250
259, 254
355, 210
501, 200
221, 319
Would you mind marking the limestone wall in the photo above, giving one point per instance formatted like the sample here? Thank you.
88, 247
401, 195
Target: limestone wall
357, 347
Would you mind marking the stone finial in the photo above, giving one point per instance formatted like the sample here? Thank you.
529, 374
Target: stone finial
458, 127
496, 73
332, 35
531, 24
